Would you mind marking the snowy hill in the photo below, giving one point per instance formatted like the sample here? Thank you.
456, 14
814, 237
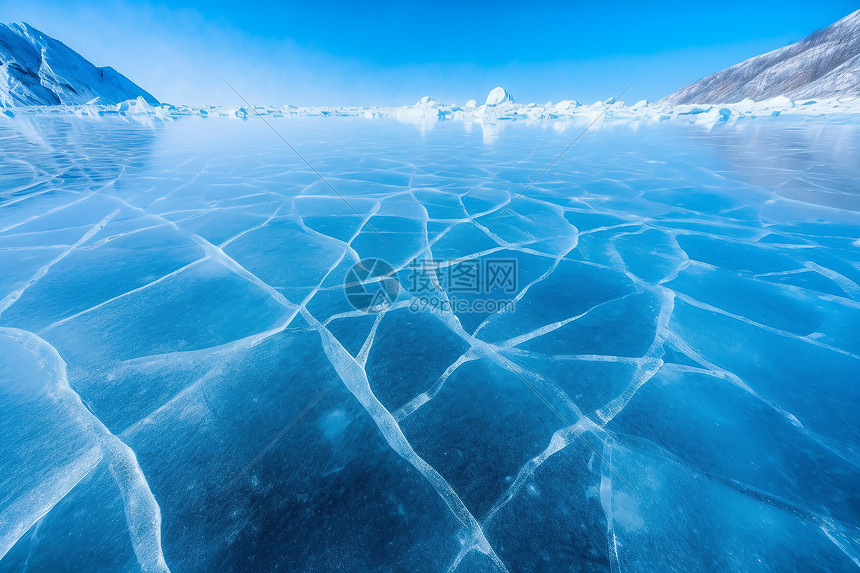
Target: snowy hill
824, 65
36, 69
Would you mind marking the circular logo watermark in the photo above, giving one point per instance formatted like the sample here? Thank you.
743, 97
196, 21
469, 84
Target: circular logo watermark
371, 285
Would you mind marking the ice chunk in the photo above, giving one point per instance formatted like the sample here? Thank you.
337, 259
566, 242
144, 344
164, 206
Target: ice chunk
499, 96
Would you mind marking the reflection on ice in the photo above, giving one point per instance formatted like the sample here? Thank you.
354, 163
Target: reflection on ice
676, 389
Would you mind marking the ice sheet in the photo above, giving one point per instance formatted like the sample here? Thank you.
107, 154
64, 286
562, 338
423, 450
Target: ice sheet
184, 384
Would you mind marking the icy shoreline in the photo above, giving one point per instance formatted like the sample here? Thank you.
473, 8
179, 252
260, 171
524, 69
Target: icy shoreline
429, 110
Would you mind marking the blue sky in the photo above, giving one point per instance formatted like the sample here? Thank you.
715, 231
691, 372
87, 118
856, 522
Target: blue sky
392, 53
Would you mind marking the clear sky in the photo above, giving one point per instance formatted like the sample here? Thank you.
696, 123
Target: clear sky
330, 52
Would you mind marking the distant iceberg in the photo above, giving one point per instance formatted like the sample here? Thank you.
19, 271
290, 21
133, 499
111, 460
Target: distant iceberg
428, 111
499, 96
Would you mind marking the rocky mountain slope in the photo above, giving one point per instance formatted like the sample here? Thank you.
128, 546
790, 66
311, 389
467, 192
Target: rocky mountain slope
824, 65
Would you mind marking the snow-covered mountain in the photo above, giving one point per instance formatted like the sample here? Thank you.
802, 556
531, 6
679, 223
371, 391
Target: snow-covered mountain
824, 65
36, 69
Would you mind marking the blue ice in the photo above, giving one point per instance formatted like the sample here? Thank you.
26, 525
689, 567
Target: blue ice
185, 386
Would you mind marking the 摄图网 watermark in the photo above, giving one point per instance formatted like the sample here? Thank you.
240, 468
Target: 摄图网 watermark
481, 285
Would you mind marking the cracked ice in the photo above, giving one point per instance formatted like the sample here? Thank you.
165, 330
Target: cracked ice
184, 385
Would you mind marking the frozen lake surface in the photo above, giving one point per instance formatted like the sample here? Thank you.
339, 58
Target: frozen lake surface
648, 361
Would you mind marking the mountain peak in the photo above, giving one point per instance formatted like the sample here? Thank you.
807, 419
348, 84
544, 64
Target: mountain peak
36, 69
825, 64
